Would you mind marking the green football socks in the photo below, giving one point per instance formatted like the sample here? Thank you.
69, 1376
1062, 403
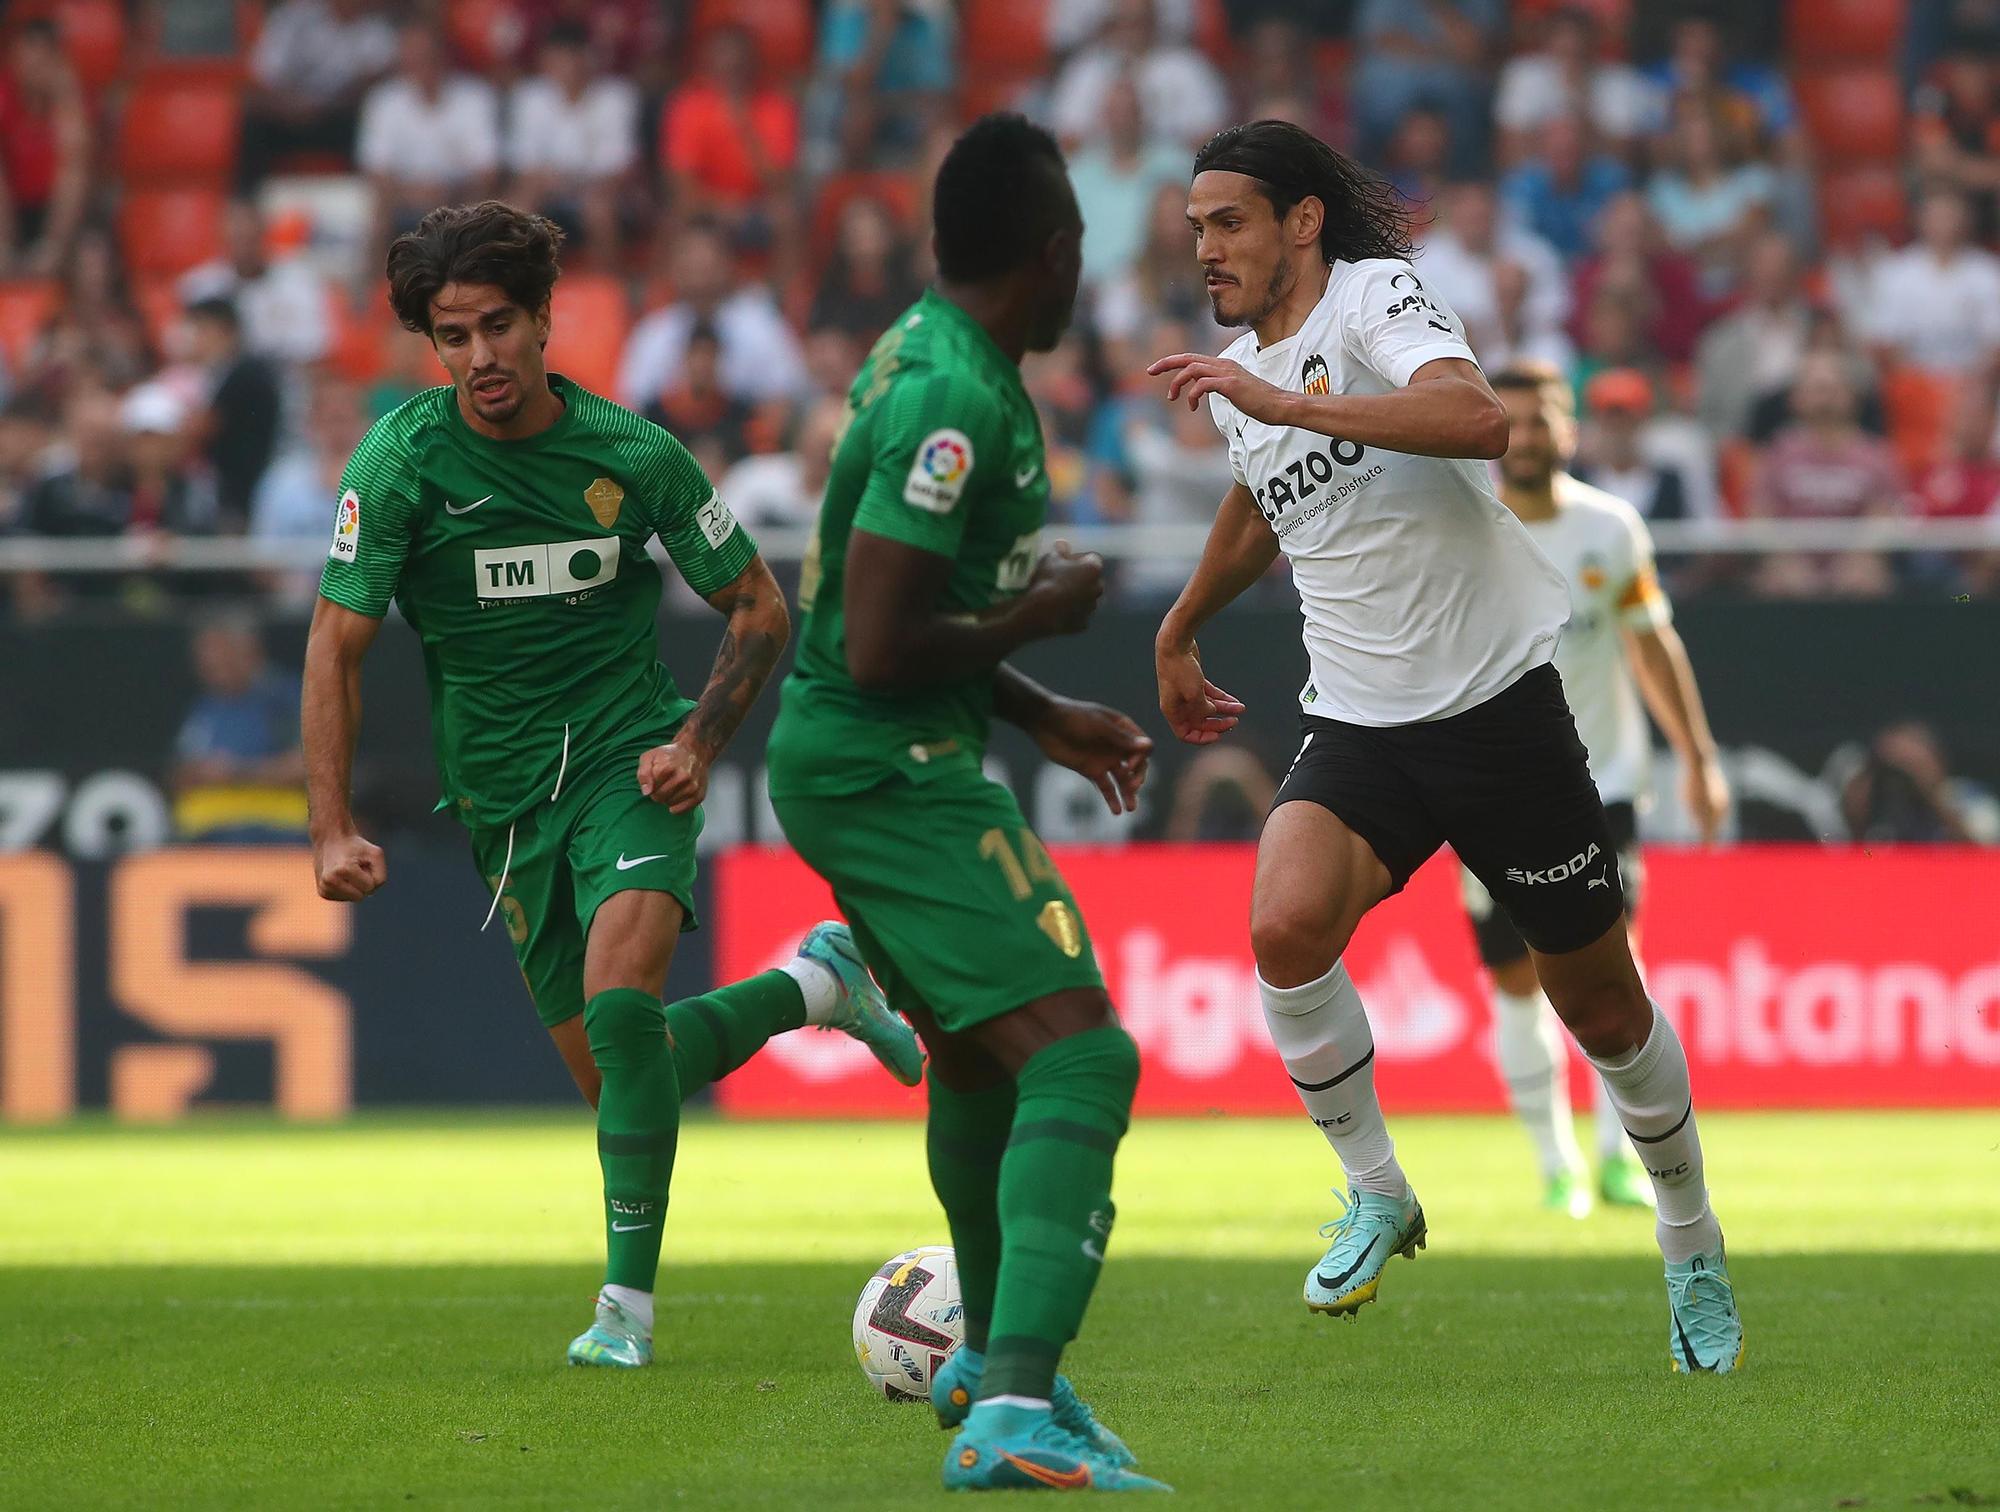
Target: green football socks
638, 1126
966, 1140
1073, 1103
715, 1033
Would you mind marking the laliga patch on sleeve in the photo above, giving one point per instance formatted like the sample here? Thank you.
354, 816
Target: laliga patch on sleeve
346, 527
716, 522
937, 477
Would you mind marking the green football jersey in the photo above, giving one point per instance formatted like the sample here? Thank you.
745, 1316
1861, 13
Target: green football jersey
941, 450
522, 566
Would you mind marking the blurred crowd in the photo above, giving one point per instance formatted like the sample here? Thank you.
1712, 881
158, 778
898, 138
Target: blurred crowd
1759, 237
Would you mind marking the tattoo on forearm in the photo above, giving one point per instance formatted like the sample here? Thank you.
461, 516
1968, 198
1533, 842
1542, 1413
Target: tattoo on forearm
743, 664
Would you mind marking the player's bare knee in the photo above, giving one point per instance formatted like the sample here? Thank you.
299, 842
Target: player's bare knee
1294, 946
1609, 1016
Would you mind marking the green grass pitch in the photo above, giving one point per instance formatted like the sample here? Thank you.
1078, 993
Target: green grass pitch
235, 1314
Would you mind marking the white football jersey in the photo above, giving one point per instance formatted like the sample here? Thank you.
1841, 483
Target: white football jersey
1601, 545
1423, 595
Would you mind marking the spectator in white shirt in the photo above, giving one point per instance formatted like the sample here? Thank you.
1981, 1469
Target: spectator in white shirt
1936, 304
1568, 77
1461, 258
760, 356
1754, 351
428, 136
1182, 94
282, 302
572, 136
1072, 23
310, 65
784, 488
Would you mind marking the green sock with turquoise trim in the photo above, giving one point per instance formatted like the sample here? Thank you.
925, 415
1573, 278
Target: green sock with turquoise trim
1073, 1103
638, 1127
715, 1033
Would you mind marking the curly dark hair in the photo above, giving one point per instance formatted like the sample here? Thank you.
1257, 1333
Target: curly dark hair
1002, 191
491, 242
1366, 216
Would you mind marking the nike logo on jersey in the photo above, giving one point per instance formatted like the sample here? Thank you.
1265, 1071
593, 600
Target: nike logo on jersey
624, 865
626, 1228
458, 509
1027, 475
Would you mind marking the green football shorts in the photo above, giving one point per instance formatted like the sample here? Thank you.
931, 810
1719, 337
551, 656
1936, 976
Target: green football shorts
600, 836
954, 902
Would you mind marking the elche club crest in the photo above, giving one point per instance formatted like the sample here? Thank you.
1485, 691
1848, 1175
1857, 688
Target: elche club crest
1316, 378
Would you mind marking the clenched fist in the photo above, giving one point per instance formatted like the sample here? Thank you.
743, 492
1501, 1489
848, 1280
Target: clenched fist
348, 868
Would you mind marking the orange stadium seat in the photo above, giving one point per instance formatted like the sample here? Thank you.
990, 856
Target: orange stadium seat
93, 35
897, 191
588, 324
170, 230
158, 297
1853, 112
479, 29
1005, 39
783, 29
175, 130
1918, 406
25, 303
1857, 202
1844, 31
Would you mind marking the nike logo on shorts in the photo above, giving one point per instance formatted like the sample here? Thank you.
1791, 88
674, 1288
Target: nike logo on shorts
624, 865
457, 509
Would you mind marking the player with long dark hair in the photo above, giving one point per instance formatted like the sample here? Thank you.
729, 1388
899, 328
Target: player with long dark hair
1357, 423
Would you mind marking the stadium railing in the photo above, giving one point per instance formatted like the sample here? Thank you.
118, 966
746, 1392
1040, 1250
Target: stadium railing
1116, 542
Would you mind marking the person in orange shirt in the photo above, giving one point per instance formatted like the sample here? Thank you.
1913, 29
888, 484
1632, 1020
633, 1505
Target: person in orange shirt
729, 142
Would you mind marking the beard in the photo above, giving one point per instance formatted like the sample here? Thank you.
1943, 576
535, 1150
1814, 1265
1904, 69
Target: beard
1521, 471
1279, 285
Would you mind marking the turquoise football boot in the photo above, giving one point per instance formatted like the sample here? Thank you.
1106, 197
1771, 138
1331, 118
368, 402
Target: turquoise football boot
864, 1012
1006, 1448
1365, 1235
615, 1338
1706, 1334
956, 1384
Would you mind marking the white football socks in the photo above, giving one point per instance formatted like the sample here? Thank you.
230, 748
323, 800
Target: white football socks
1531, 1050
1321, 1032
638, 1305
1650, 1087
1612, 1143
819, 986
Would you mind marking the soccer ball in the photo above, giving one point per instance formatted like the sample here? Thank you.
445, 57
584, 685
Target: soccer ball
908, 1322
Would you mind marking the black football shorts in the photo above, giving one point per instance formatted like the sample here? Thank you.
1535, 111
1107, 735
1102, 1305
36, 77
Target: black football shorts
1506, 784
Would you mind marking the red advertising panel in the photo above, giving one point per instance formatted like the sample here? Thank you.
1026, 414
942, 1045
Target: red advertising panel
1798, 977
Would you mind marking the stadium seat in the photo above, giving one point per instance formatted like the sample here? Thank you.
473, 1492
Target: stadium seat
93, 36
176, 131
479, 30
1004, 39
897, 191
1918, 405
1844, 31
588, 324
25, 303
170, 230
783, 29
1858, 202
1853, 112
158, 297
